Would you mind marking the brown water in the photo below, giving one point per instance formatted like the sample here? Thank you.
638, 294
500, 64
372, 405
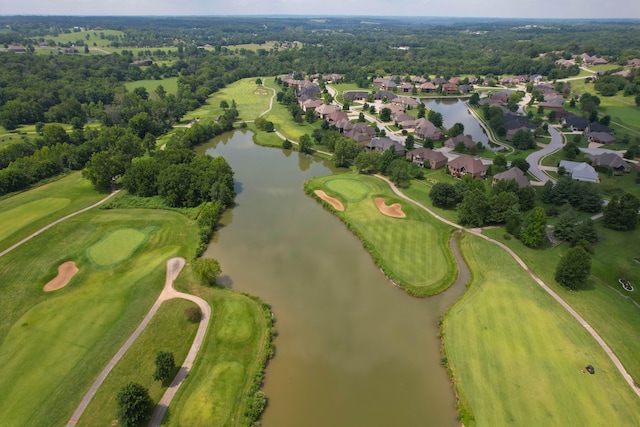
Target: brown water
352, 349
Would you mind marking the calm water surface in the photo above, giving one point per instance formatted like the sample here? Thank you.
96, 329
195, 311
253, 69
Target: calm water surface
454, 111
352, 350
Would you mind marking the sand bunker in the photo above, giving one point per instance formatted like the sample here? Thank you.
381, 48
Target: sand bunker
394, 210
337, 204
66, 271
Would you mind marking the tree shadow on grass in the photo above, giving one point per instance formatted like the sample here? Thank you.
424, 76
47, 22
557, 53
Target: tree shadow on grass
225, 281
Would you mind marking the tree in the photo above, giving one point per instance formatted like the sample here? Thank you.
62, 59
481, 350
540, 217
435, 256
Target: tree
286, 144
501, 205
622, 212
499, 163
345, 150
268, 126
399, 172
134, 405
224, 104
474, 209
310, 116
207, 270
101, 170
385, 114
409, 142
305, 144
165, 364
574, 268
533, 233
521, 164
436, 118
456, 129
367, 162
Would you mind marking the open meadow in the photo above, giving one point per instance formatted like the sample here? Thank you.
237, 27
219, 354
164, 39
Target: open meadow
169, 84
516, 355
413, 251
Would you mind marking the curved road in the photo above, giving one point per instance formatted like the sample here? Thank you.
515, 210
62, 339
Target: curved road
563, 303
174, 266
536, 157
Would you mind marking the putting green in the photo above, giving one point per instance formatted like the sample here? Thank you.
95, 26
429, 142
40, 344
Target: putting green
351, 189
23, 215
116, 246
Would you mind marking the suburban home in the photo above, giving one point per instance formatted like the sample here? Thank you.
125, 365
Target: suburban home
427, 130
343, 125
575, 123
355, 95
405, 87
405, 101
565, 63
388, 85
465, 88
71, 49
514, 173
452, 143
382, 144
597, 127
336, 117
380, 96
601, 137
17, 49
450, 88
552, 103
418, 80
143, 62
428, 87
463, 165
580, 171
420, 156
360, 132
332, 78
609, 160
311, 104
325, 109
439, 81
402, 117
635, 62
512, 132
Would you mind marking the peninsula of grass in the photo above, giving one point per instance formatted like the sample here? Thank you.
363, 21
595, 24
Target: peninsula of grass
601, 301
412, 251
229, 369
169, 330
516, 355
53, 345
27, 212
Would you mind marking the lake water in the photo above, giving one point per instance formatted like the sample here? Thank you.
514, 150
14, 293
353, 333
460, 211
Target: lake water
454, 111
352, 349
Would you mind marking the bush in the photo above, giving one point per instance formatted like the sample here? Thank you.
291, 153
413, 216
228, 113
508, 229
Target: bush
193, 314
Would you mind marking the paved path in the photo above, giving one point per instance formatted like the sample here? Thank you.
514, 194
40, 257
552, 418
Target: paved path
174, 266
58, 221
536, 157
555, 296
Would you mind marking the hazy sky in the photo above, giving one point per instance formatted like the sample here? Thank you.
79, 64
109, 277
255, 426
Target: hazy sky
460, 8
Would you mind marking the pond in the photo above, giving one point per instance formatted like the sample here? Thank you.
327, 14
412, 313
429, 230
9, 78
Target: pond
352, 349
454, 110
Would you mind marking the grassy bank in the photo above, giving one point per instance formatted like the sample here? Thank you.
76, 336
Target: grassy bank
412, 251
516, 355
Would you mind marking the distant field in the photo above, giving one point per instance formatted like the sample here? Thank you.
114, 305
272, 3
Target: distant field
413, 250
517, 355
88, 37
9, 139
169, 84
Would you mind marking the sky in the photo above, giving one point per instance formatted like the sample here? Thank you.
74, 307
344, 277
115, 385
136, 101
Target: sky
460, 8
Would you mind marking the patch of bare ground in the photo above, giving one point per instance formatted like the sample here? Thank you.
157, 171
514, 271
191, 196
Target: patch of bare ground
337, 204
394, 210
66, 271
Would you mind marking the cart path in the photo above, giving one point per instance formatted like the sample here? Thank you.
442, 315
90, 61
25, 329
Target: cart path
58, 221
555, 296
174, 266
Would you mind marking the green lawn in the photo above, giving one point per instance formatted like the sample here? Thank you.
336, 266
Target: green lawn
54, 344
611, 315
419, 191
413, 251
169, 331
169, 84
88, 37
282, 120
25, 213
516, 355
10, 139
251, 99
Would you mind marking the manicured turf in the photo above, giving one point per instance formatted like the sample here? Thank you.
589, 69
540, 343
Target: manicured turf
282, 120
25, 213
169, 84
615, 318
168, 331
14, 219
216, 389
117, 246
517, 355
413, 251
250, 99
54, 344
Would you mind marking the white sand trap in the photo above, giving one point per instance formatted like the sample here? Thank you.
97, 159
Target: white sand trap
66, 271
394, 210
337, 204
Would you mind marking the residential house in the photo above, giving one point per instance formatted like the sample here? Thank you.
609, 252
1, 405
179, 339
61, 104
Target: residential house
597, 127
452, 143
336, 117
580, 171
361, 132
355, 95
143, 62
450, 88
635, 62
383, 143
463, 165
311, 104
17, 49
427, 130
418, 80
422, 156
601, 137
388, 85
439, 81
71, 49
609, 160
428, 87
405, 101
575, 123
325, 109
405, 87
465, 88
382, 95
514, 173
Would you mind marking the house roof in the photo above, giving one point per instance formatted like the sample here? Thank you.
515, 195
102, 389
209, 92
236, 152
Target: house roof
428, 153
579, 123
471, 164
580, 171
611, 160
327, 109
601, 137
465, 139
513, 173
383, 143
597, 127
427, 129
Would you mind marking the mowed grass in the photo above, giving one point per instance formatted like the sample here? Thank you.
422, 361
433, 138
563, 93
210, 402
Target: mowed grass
54, 344
170, 331
27, 212
117, 246
251, 99
89, 37
516, 355
282, 120
413, 251
614, 317
216, 389
169, 84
